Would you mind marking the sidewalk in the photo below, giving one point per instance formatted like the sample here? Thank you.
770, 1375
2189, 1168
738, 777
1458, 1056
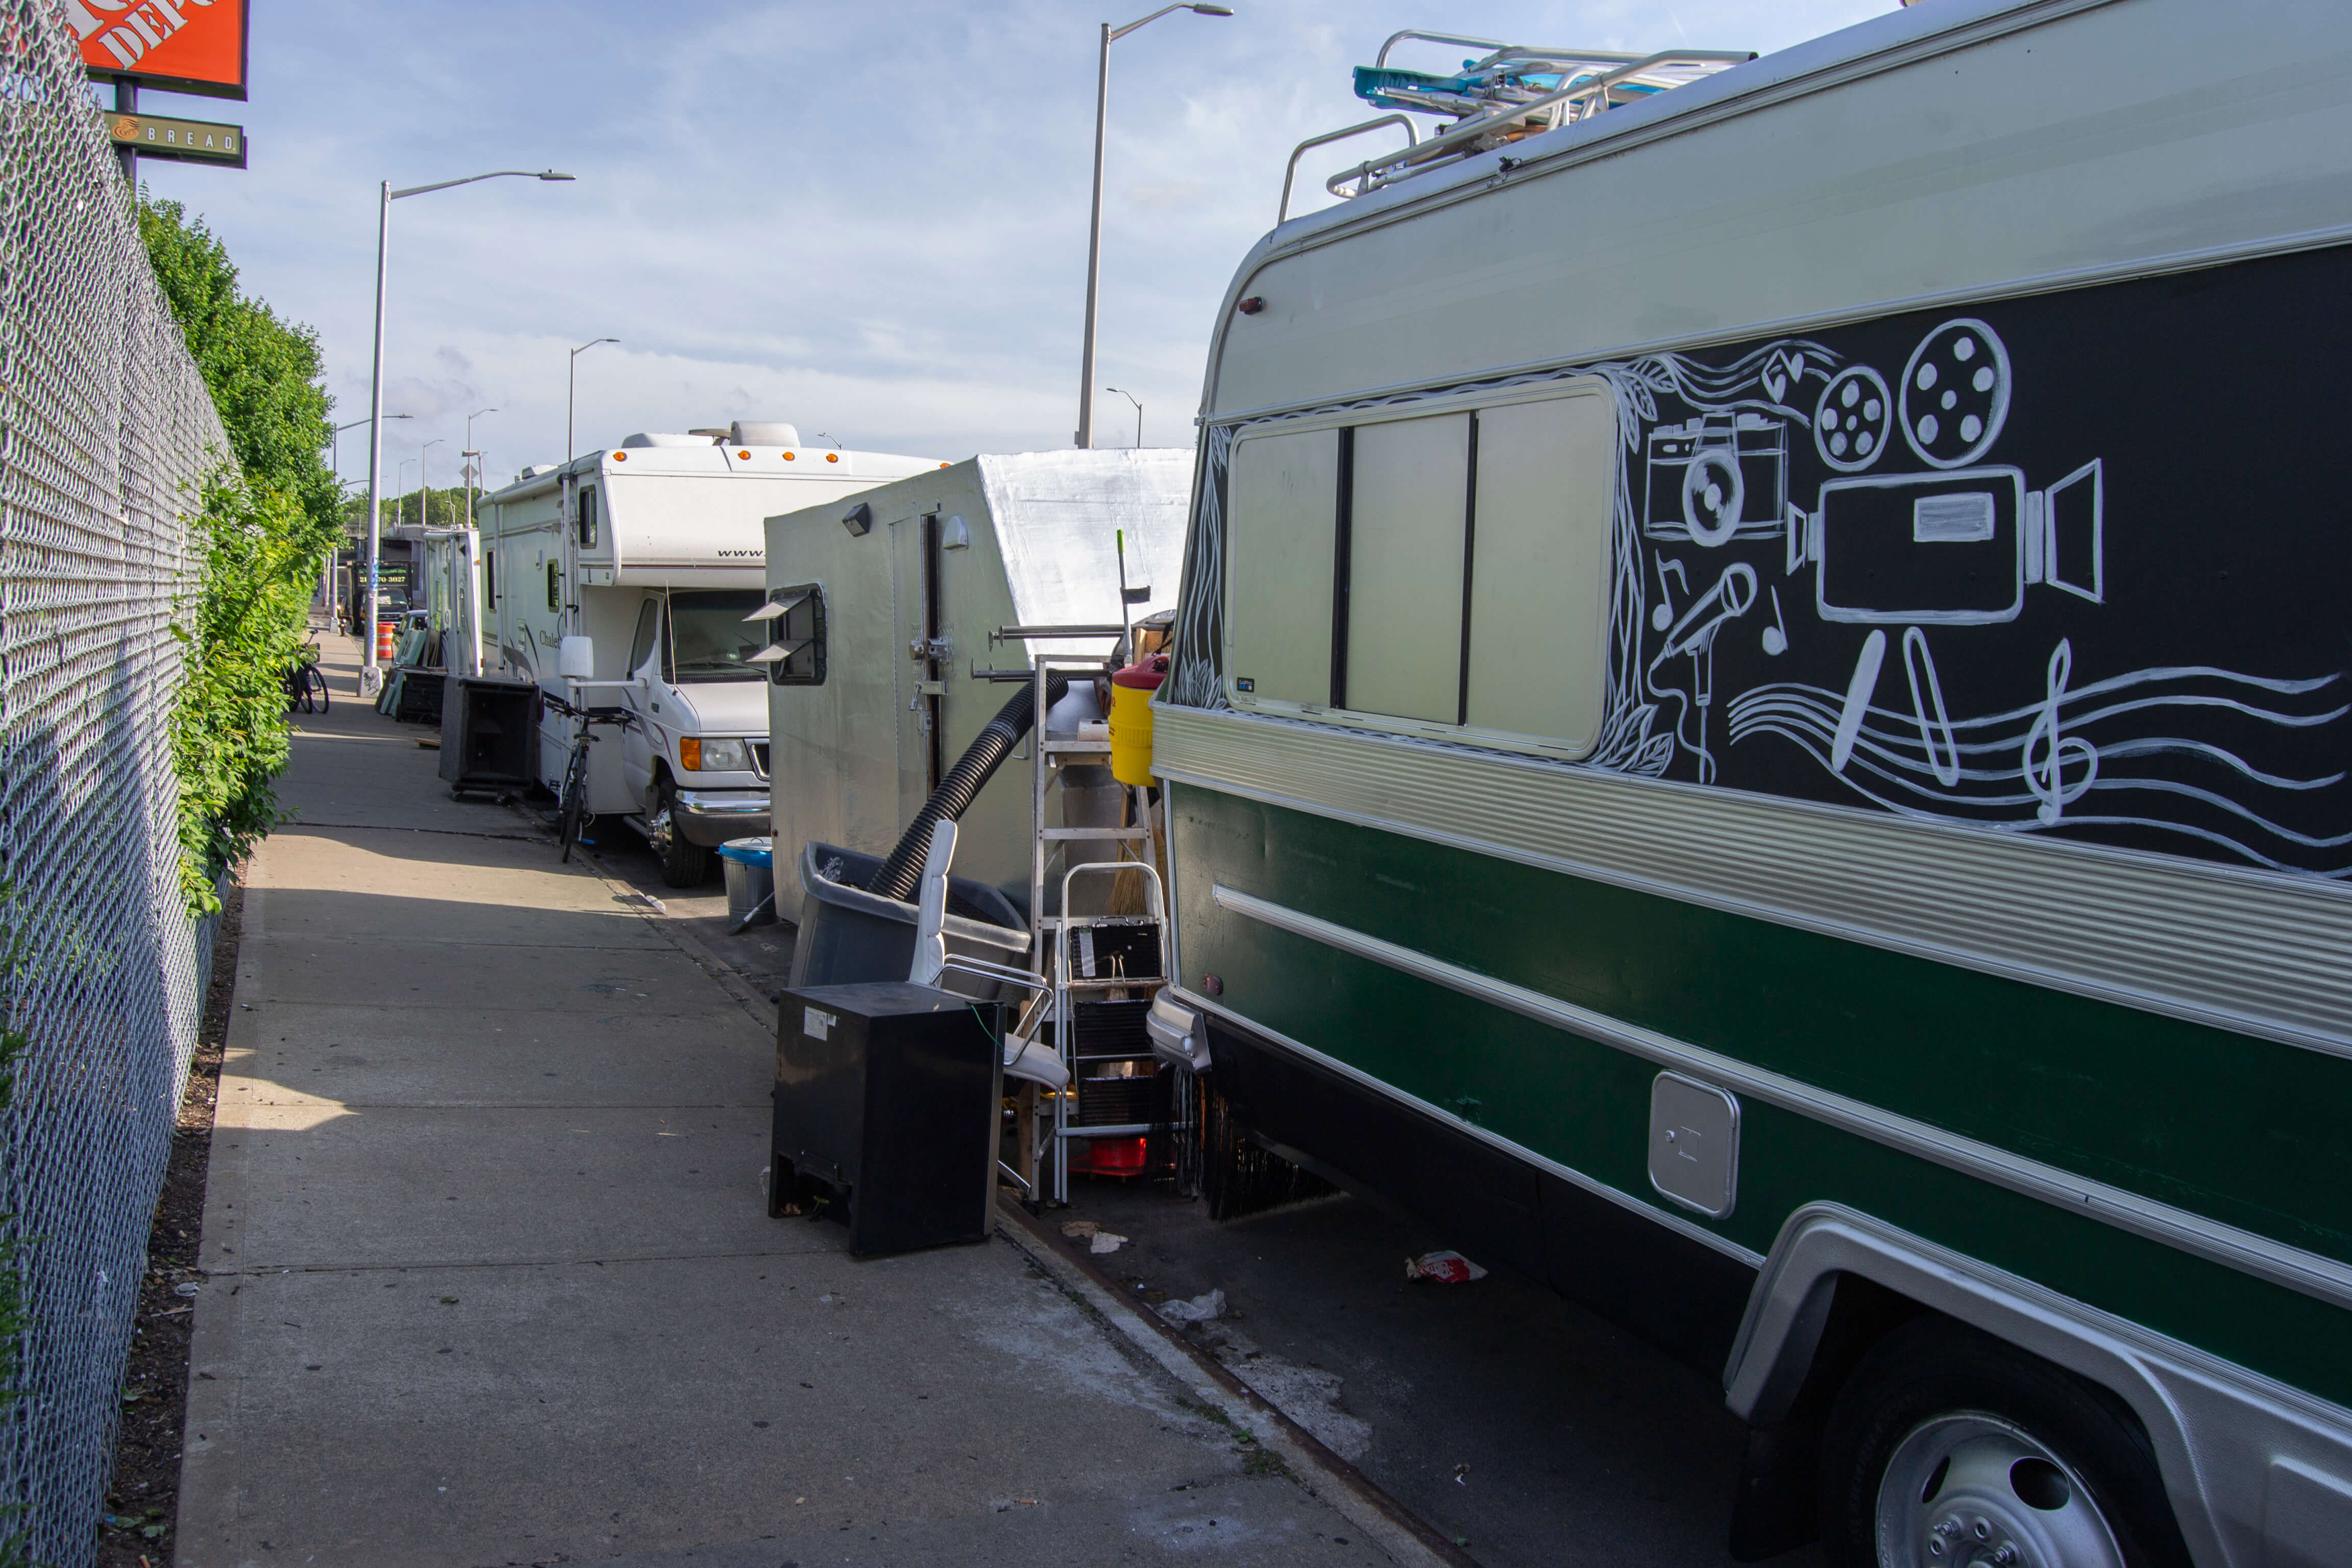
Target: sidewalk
492, 1279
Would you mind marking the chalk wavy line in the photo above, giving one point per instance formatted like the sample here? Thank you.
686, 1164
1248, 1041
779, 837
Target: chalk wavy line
2031, 824
1992, 802
1900, 747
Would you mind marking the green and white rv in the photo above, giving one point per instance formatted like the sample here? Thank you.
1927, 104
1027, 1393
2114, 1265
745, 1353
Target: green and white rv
1759, 730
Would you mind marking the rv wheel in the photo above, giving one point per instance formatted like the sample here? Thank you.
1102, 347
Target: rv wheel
1948, 1448
683, 864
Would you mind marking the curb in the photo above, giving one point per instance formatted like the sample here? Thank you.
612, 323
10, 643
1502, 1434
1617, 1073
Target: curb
1383, 1521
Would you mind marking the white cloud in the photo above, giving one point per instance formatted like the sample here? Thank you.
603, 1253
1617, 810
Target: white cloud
865, 217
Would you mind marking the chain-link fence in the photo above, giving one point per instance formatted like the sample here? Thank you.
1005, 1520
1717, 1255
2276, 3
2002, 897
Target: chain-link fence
106, 431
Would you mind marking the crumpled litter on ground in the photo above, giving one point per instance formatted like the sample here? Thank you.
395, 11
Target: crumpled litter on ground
1099, 1242
1205, 1308
1446, 1268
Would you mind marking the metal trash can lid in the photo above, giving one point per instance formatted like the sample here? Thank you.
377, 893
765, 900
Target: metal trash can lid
751, 851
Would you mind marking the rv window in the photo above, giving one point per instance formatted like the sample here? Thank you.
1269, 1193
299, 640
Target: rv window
641, 649
709, 639
1282, 508
1404, 545
1451, 570
555, 585
587, 507
1539, 592
798, 633
490, 579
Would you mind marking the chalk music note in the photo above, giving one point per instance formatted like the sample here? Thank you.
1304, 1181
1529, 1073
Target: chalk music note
2047, 778
1776, 635
1664, 616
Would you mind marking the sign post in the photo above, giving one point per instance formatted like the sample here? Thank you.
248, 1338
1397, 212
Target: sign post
188, 141
178, 45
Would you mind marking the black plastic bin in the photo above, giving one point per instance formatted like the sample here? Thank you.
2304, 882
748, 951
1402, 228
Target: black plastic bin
849, 935
887, 1105
421, 697
489, 733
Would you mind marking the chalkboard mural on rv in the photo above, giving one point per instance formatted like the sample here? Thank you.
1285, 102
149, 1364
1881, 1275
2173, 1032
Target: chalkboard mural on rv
2019, 567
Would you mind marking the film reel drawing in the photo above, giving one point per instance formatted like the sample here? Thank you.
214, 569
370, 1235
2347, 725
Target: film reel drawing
1955, 393
1854, 419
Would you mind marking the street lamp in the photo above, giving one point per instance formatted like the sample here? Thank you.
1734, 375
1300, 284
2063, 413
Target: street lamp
571, 393
1110, 35
1138, 411
338, 442
371, 678
471, 457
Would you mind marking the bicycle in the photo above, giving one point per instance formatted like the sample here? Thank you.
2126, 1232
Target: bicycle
571, 811
306, 683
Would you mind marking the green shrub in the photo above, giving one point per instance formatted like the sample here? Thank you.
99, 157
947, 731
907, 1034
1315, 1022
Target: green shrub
261, 530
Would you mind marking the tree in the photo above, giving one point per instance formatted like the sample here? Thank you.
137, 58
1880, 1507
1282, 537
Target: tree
263, 527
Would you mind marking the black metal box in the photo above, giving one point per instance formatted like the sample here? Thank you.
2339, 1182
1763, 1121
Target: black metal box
887, 1109
489, 733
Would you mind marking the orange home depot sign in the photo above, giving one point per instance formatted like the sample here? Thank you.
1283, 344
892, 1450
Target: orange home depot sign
187, 46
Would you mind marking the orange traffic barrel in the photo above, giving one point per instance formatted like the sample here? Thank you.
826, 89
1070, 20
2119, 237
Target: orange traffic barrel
388, 640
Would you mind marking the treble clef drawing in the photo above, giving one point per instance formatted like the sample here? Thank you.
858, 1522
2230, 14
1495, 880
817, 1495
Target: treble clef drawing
2046, 777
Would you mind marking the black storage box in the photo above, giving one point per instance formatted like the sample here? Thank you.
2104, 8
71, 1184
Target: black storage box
420, 698
886, 1107
489, 733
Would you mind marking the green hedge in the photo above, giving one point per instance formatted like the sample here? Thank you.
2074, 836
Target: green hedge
262, 529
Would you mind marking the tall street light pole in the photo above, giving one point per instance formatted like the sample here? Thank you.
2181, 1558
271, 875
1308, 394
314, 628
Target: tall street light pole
371, 678
471, 457
1138, 411
572, 394
1110, 34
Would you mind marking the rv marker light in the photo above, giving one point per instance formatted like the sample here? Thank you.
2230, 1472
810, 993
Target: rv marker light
833, 457
745, 455
788, 456
620, 456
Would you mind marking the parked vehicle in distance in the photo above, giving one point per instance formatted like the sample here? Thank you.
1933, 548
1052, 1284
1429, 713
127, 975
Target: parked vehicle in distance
652, 551
1758, 730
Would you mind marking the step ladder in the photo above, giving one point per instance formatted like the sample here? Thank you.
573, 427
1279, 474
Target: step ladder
1095, 969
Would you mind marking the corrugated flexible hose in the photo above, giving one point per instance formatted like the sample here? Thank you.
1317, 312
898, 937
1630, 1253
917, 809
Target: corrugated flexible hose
901, 876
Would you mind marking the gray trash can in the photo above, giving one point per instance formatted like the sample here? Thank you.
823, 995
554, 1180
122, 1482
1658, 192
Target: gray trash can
749, 865
848, 935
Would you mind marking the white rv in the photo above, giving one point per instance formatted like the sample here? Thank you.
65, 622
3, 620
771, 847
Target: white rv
652, 550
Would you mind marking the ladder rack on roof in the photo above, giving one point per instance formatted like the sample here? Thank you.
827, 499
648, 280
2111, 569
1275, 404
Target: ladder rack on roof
1512, 91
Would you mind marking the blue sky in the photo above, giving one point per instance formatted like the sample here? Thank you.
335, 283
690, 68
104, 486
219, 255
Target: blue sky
864, 216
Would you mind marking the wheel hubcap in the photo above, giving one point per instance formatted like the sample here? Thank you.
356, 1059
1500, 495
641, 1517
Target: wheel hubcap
1974, 1491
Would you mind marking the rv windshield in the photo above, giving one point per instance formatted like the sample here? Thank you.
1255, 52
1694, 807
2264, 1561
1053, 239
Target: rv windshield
709, 639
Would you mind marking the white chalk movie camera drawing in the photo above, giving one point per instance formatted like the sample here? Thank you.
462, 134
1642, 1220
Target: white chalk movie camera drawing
1944, 542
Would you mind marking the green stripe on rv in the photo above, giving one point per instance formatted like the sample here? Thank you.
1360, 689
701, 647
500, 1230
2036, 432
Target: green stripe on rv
2244, 1131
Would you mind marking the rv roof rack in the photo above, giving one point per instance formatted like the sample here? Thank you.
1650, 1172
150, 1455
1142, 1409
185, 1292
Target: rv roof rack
1511, 91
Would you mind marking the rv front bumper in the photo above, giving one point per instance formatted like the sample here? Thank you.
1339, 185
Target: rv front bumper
711, 817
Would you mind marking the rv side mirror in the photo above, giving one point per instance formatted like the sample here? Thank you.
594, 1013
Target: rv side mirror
575, 659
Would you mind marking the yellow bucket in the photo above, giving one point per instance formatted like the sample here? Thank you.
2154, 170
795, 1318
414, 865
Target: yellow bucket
1130, 720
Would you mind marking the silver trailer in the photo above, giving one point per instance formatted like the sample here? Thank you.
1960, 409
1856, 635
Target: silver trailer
905, 609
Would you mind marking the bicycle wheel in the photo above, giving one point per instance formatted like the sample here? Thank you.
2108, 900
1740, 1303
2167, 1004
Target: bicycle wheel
574, 809
319, 687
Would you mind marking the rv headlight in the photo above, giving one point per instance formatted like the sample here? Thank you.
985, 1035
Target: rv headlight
713, 756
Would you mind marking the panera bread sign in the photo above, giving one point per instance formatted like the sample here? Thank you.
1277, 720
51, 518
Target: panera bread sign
187, 46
